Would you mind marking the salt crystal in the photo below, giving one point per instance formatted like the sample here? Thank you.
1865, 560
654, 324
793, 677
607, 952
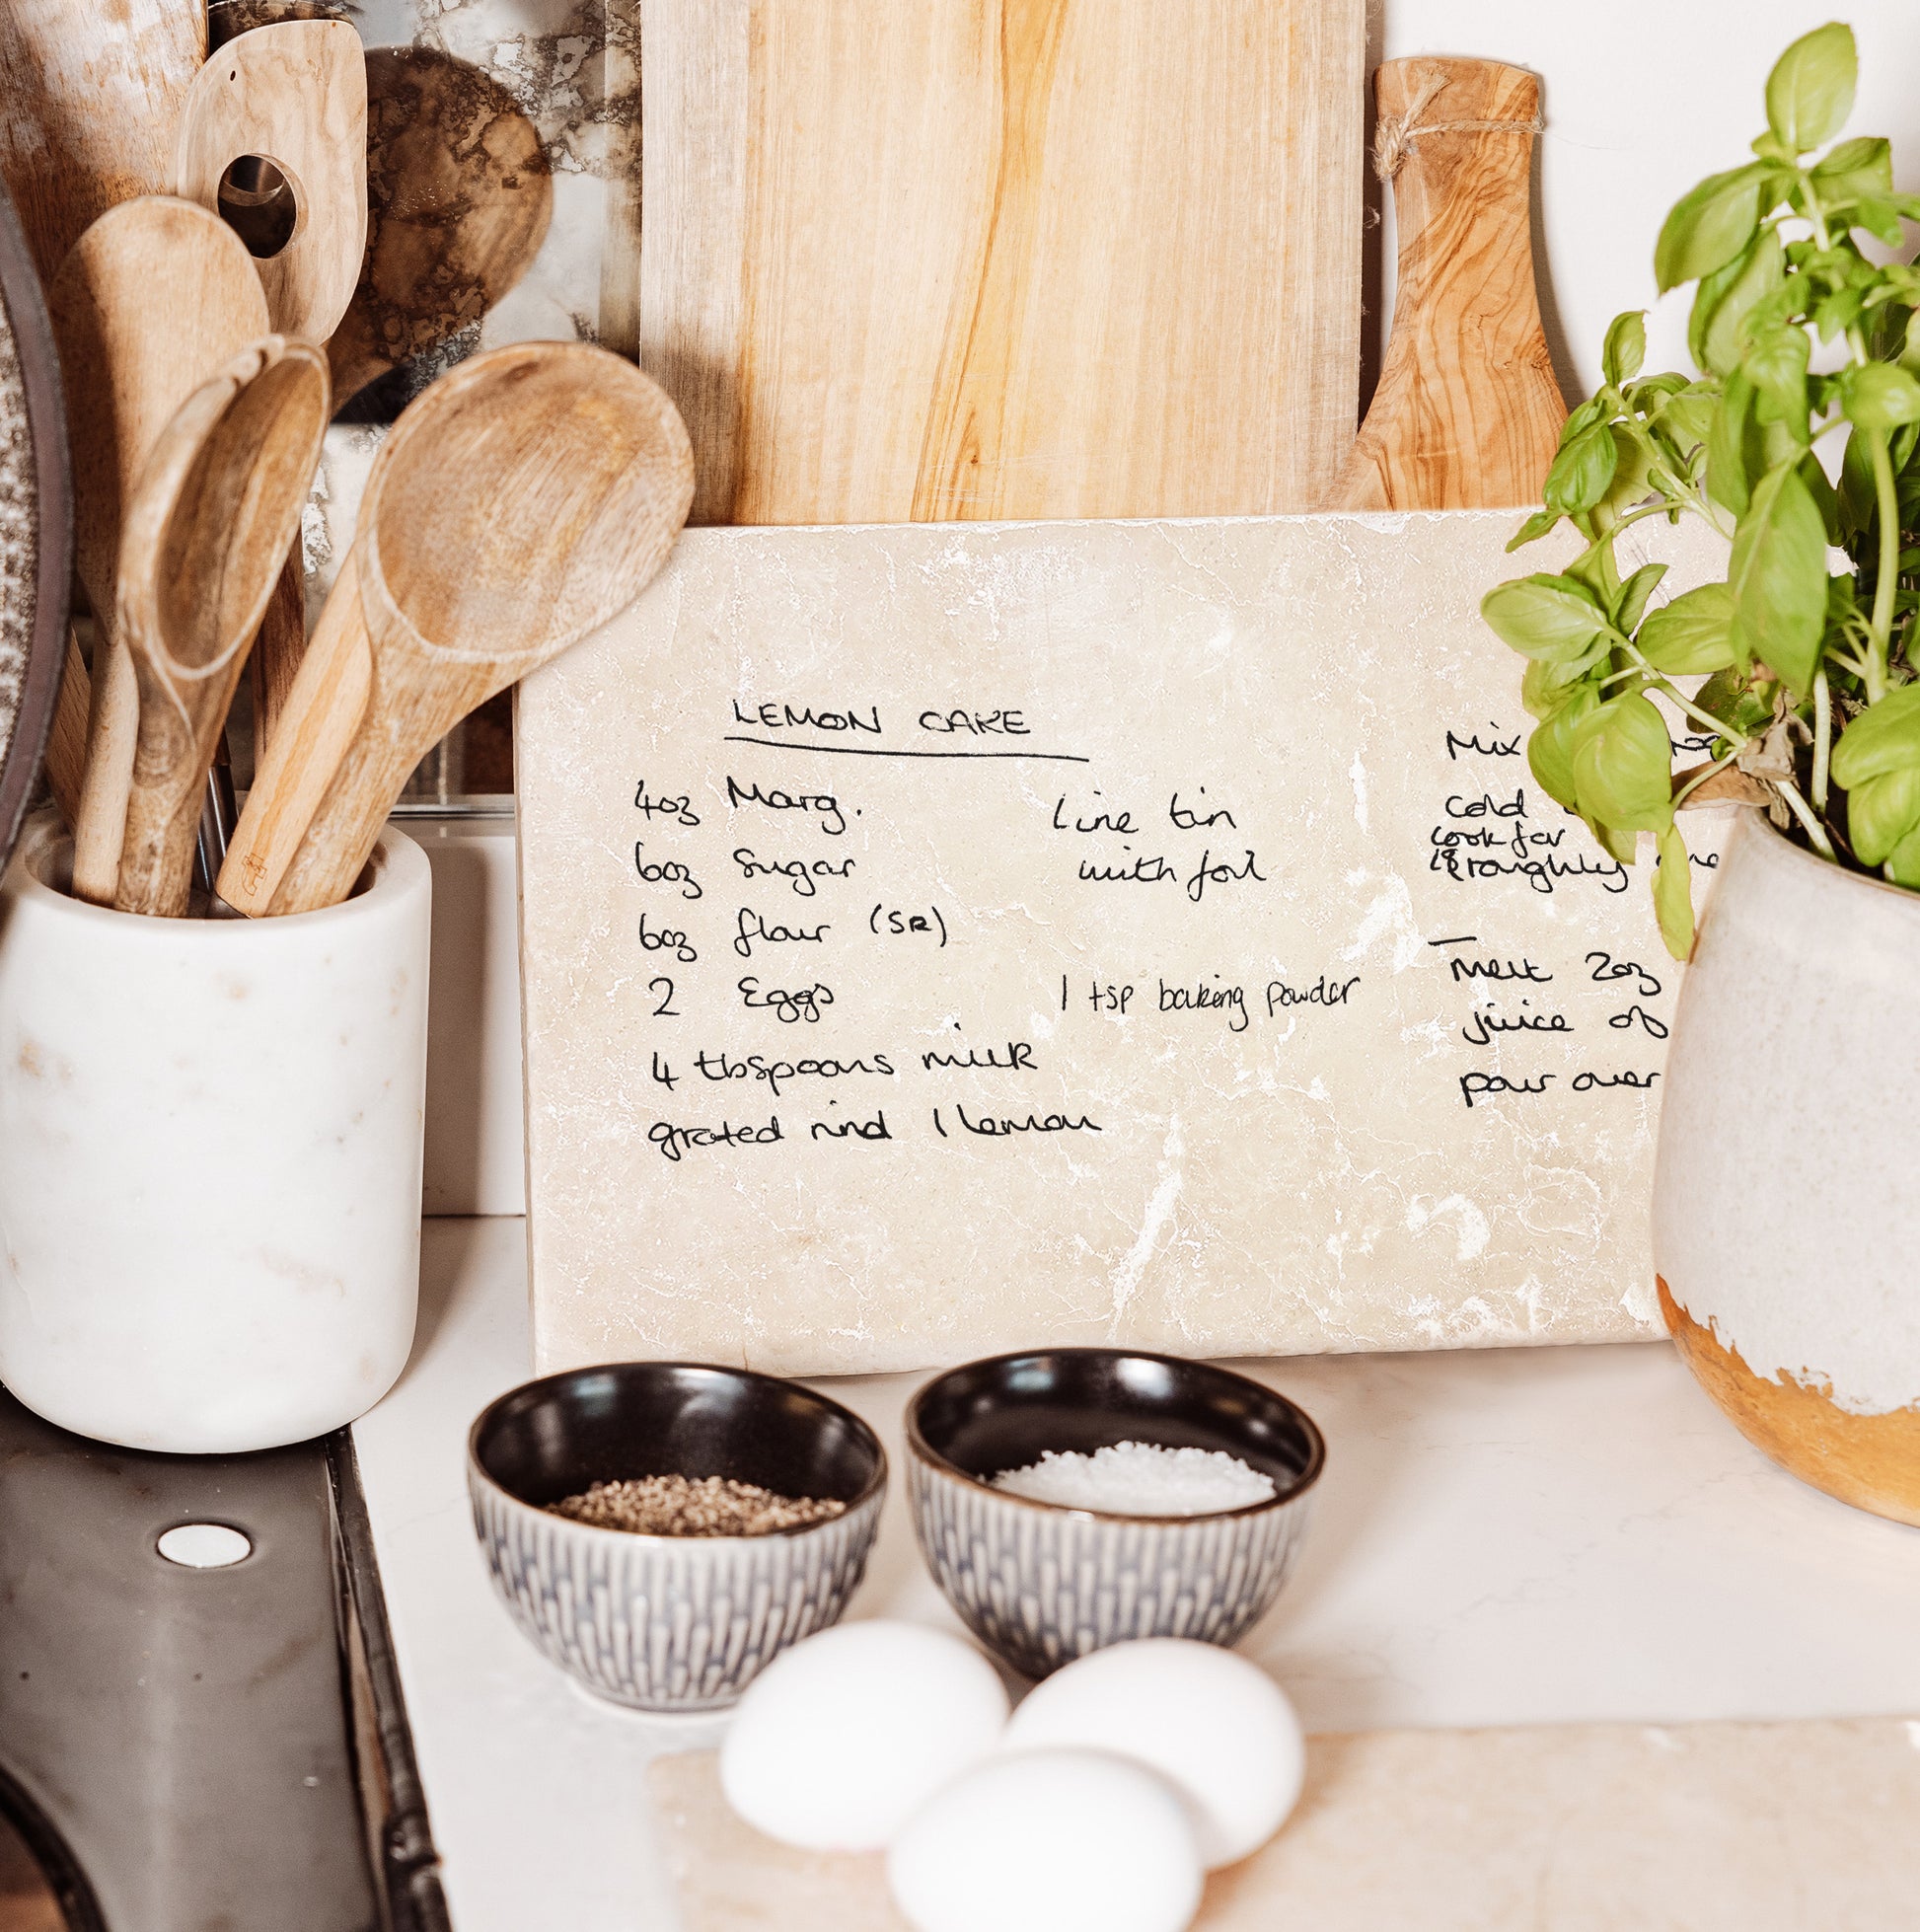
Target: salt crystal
1140, 1479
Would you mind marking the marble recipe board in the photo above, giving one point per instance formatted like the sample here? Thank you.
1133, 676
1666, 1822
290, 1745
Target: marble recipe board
944, 940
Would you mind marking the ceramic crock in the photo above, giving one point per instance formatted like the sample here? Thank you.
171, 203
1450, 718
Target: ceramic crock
210, 1135
1787, 1191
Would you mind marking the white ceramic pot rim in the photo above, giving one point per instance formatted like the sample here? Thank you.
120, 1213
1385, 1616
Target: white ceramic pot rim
1828, 868
46, 849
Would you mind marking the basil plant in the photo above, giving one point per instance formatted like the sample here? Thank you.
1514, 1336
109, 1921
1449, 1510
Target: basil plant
1808, 347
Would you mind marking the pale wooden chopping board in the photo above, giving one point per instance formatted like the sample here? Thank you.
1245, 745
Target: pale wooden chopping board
972, 258
1709, 1827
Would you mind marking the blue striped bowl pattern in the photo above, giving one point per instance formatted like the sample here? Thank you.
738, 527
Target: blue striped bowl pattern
667, 1623
1040, 1584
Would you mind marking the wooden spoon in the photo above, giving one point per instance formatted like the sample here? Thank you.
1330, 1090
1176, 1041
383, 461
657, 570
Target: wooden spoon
155, 299
215, 508
460, 195
294, 95
519, 505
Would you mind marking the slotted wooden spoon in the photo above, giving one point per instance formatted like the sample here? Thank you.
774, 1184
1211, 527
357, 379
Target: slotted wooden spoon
156, 298
519, 505
206, 528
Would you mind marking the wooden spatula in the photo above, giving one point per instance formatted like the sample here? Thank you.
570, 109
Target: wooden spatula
1468, 415
86, 115
293, 94
207, 526
89, 96
524, 500
156, 298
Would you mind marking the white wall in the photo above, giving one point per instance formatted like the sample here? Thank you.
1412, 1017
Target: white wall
1642, 97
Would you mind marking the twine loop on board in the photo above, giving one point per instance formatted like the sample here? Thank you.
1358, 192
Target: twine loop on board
1395, 135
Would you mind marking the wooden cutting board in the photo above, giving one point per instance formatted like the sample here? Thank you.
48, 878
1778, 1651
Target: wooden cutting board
970, 259
1705, 1827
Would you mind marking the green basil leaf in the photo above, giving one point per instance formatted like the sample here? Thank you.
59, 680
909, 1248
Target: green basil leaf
1778, 578
1826, 501
1776, 366
1881, 811
1879, 218
1879, 396
1837, 313
1886, 737
1692, 635
1674, 893
1903, 861
1809, 93
1623, 765
1550, 749
1729, 471
1688, 415
1580, 472
1730, 697
1618, 845
1709, 226
1551, 617
1728, 297
1626, 346
1859, 167
1634, 593
1536, 526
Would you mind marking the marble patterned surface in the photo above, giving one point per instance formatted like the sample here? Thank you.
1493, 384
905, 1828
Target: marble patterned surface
1251, 997
1504, 1537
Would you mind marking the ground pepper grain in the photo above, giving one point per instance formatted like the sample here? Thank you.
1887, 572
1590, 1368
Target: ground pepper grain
693, 1506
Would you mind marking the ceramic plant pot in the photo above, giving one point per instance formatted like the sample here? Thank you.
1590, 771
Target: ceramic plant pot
1786, 1193
210, 1137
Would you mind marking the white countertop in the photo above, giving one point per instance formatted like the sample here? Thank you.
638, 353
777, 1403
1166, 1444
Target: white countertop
1503, 1537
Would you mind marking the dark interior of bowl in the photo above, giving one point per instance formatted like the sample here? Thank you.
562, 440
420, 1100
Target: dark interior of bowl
556, 1437
1008, 1412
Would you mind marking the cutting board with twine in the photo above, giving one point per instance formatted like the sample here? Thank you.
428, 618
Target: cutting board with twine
1704, 1827
989, 258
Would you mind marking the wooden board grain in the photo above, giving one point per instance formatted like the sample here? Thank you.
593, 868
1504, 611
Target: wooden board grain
1119, 933
1706, 1827
978, 259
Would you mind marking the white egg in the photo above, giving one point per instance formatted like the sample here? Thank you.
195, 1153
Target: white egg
1217, 1727
844, 1736
1049, 1841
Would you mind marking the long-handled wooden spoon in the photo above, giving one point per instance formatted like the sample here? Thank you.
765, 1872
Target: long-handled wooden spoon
157, 296
519, 505
216, 505
459, 194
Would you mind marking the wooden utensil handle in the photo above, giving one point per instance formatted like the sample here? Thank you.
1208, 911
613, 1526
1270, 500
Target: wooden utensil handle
113, 730
347, 826
1468, 411
66, 741
318, 723
278, 651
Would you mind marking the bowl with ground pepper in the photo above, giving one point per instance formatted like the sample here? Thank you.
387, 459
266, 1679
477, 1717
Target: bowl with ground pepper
662, 1530
1069, 1499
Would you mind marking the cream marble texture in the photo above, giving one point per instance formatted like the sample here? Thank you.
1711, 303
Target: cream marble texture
1294, 1169
1718, 1827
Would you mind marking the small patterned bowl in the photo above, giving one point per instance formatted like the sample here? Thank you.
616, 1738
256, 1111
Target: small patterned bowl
1040, 1584
669, 1623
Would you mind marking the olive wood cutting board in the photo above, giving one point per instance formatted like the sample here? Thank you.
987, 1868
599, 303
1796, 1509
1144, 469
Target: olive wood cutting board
973, 258
1701, 1827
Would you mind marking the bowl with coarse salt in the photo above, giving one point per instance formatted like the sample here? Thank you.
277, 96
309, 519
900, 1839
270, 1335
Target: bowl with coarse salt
1069, 1499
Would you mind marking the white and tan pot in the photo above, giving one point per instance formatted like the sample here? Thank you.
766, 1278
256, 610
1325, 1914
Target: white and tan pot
1786, 1193
210, 1139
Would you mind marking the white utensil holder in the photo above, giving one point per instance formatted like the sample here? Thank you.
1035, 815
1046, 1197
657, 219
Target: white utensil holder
210, 1135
